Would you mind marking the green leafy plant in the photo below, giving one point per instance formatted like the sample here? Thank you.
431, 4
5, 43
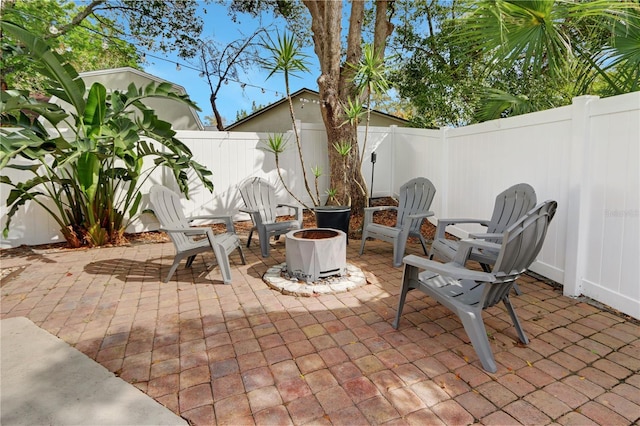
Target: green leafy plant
331, 194
370, 79
317, 173
88, 182
581, 48
277, 144
354, 109
285, 56
344, 150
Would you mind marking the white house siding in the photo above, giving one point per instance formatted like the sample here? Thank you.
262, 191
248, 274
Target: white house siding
585, 156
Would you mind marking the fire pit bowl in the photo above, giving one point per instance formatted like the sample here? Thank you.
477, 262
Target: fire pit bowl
316, 265
314, 254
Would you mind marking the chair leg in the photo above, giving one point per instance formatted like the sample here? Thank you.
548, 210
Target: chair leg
223, 262
221, 257
474, 327
249, 239
410, 274
176, 262
263, 236
424, 244
244, 259
516, 289
399, 247
516, 322
364, 239
190, 260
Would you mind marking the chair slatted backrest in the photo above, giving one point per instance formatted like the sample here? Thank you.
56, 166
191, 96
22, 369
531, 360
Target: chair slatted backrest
521, 245
416, 197
168, 210
258, 194
511, 204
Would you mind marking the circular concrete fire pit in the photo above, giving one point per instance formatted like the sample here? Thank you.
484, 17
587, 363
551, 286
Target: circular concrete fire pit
316, 253
316, 264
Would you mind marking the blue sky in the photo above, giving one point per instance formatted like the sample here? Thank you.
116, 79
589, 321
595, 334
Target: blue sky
232, 97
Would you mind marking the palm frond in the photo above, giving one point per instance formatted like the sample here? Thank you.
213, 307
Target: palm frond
500, 104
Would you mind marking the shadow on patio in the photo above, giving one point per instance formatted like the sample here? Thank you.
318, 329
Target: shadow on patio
245, 354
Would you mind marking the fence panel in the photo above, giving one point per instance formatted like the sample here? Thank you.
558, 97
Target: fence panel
420, 152
612, 240
485, 159
30, 225
585, 156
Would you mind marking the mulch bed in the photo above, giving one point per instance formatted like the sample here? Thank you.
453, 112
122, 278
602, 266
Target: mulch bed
242, 228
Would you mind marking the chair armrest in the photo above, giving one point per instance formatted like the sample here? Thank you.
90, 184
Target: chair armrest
451, 269
487, 236
380, 208
481, 244
467, 245
447, 222
443, 223
186, 231
420, 215
292, 206
222, 218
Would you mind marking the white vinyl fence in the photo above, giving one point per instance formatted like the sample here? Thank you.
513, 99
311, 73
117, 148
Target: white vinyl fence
585, 156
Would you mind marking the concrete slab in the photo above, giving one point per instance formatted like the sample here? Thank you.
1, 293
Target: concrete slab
46, 381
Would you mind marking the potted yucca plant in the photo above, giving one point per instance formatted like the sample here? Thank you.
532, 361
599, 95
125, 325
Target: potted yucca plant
286, 57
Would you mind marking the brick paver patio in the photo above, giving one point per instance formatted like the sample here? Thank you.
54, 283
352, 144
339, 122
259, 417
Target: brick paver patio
245, 354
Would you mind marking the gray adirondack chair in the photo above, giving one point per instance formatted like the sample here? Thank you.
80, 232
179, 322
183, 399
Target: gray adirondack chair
510, 205
167, 208
467, 292
260, 202
414, 202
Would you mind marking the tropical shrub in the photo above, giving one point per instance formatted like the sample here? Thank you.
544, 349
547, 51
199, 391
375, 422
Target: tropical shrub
88, 182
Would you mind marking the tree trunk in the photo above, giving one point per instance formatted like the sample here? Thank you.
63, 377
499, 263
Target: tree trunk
336, 86
216, 113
